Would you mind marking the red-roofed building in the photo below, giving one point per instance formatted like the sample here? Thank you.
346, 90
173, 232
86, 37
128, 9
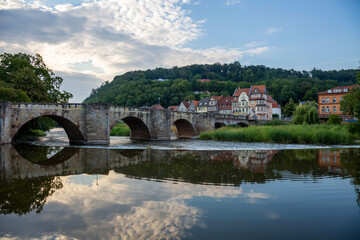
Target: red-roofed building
329, 101
173, 108
193, 105
204, 80
260, 103
156, 106
213, 103
240, 101
276, 109
225, 105
184, 107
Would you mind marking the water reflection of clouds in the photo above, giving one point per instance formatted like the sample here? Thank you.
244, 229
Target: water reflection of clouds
125, 208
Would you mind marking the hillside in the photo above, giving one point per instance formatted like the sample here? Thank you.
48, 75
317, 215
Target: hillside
173, 85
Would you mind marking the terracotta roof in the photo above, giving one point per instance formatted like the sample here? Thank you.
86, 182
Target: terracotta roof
172, 108
270, 99
241, 90
204, 80
195, 102
276, 105
260, 87
157, 106
225, 103
340, 88
217, 98
186, 104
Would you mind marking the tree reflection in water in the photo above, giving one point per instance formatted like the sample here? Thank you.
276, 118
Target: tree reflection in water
24, 196
21, 196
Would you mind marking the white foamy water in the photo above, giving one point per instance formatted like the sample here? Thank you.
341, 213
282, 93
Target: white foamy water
58, 137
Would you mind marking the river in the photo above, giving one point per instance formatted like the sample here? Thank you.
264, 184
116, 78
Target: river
179, 189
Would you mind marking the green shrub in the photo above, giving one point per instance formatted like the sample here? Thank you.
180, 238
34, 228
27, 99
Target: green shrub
334, 119
120, 129
274, 123
354, 128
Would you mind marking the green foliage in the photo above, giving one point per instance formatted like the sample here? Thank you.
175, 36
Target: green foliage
274, 123
350, 103
354, 128
13, 95
299, 134
139, 88
289, 108
306, 114
120, 129
275, 116
334, 119
31, 75
26, 195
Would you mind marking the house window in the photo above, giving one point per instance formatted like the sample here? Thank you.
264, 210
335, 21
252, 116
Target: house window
323, 100
327, 100
252, 102
327, 109
340, 99
334, 109
334, 99
323, 109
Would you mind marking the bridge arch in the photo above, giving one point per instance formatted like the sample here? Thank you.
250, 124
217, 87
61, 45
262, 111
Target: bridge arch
73, 131
184, 128
242, 124
138, 129
219, 124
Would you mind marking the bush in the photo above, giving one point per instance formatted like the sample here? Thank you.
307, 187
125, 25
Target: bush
274, 123
306, 114
120, 129
334, 119
354, 128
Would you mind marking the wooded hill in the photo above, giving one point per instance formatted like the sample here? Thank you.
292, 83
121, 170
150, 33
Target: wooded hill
173, 85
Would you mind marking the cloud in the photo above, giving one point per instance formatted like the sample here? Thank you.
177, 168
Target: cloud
105, 38
232, 2
271, 31
257, 51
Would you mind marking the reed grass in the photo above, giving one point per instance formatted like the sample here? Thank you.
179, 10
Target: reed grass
300, 134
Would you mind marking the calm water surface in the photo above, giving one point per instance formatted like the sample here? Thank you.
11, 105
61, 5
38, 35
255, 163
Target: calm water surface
179, 190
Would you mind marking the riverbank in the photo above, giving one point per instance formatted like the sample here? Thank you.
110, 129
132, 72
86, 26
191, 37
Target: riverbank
296, 134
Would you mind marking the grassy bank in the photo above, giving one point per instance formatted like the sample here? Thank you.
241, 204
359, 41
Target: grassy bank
303, 134
120, 129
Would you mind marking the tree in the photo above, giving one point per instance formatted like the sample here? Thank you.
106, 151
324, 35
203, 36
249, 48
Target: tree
289, 108
306, 113
350, 103
334, 119
31, 75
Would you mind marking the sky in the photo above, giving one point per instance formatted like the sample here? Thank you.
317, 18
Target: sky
91, 41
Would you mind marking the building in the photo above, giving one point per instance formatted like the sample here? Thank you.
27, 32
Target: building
260, 103
193, 105
156, 106
240, 102
329, 101
204, 80
173, 108
276, 109
184, 107
213, 103
203, 105
224, 106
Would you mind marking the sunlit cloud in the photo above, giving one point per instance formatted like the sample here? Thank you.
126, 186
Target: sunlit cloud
108, 37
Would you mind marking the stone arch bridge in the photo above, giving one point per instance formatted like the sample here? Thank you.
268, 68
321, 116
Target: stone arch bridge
91, 123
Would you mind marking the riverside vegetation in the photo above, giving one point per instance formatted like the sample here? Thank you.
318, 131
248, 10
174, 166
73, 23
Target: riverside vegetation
297, 134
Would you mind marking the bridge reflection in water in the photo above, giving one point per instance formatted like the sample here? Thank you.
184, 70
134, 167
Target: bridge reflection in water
199, 167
